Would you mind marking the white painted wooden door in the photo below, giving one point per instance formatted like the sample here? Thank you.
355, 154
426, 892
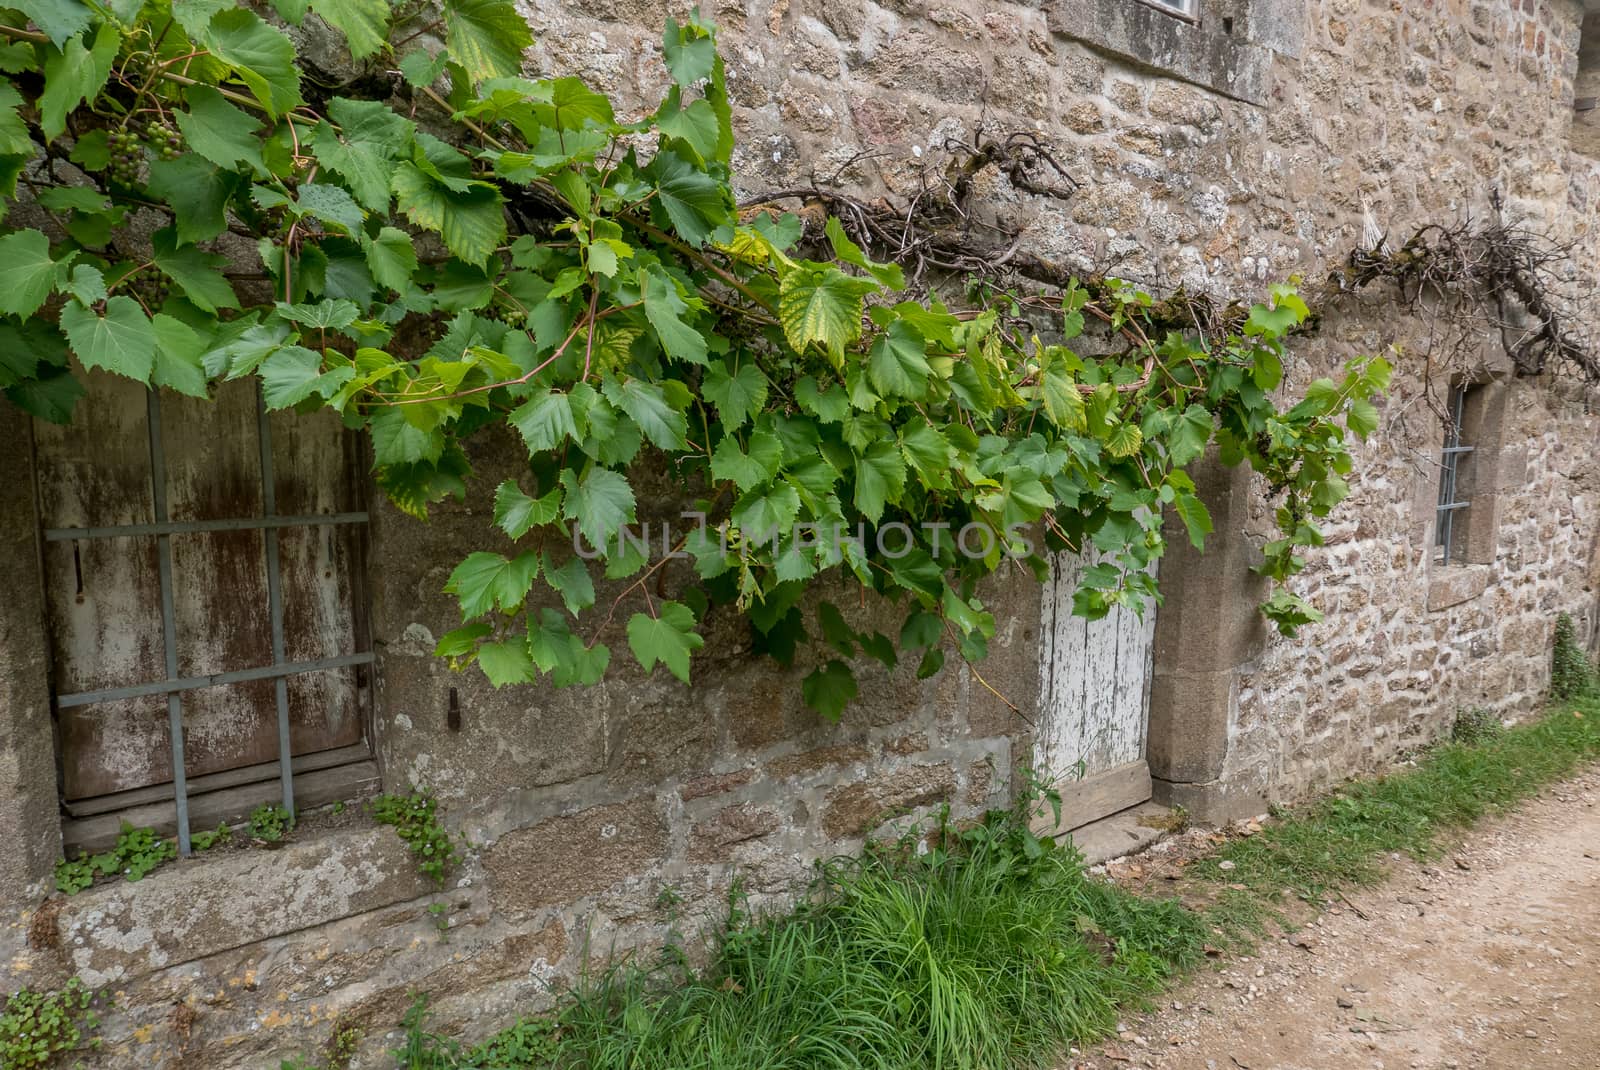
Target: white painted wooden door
1094, 701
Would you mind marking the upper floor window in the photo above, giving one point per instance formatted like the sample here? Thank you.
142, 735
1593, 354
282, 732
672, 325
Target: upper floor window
1454, 487
1586, 90
1189, 9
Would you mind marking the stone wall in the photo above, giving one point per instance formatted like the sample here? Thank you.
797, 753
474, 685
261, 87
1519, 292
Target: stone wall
1250, 148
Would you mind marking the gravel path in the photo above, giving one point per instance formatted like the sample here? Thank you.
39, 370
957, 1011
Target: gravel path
1489, 957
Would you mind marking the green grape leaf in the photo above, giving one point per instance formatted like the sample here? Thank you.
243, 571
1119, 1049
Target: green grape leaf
768, 513
260, 55
929, 452
462, 641
364, 23
568, 104
572, 582
396, 440
369, 138
880, 479
472, 222
421, 69
219, 131
73, 75
1189, 435
897, 366
689, 54
668, 638
688, 200
121, 341
1063, 403
197, 273
515, 513
25, 348
487, 37
59, 19
647, 404
87, 284
486, 581
294, 373
664, 309
830, 405
177, 357
195, 15
1362, 418
50, 397
737, 397
545, 420
822, 304
747, 469
197, 191
14, 137
507, 661
830, 689
331, 204
695, 123
601, 502
1196, 518
391, 257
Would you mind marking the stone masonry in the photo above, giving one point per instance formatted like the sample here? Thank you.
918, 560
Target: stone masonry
1250, 147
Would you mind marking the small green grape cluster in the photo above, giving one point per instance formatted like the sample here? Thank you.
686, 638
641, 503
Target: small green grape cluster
127, 154
166, 141
151, 285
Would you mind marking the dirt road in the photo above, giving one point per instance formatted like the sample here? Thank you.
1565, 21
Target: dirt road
1486, 958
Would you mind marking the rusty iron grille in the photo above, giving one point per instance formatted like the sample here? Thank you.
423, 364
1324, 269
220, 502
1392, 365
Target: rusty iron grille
175, 686
1450, 505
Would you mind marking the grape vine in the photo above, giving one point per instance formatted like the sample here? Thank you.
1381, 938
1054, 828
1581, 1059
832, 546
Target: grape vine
444, 244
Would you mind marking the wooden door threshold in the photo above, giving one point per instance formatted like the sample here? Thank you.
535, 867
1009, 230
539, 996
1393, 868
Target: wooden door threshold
1093, 797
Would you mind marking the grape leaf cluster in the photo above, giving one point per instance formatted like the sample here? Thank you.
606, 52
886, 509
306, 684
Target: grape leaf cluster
444, 246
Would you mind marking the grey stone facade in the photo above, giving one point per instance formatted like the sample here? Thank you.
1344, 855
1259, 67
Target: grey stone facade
1216, 156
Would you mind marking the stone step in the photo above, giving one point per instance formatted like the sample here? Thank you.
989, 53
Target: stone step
1122, 833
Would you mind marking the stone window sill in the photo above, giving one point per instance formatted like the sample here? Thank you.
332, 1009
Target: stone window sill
117, 932
1211, 52
1451, 585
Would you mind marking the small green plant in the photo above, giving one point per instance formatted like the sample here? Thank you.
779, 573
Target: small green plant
1476, 724
342, 1046
341, 1050
270, 822
36, 1028
204, 841
136, 852
531, 1042
441, 919
1572, 675
415, 819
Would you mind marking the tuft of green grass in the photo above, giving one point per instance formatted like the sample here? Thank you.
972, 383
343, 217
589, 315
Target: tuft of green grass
988, 948
1572, 675
1340, 840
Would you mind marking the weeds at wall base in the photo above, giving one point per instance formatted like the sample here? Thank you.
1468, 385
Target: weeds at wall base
44, 1029
990, 947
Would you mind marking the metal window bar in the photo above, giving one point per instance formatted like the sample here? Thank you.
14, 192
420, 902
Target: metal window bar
1449, 473
173, 686
1184, 9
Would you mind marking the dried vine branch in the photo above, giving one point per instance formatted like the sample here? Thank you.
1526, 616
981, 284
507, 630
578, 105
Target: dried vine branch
1495, 277
1504, 278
